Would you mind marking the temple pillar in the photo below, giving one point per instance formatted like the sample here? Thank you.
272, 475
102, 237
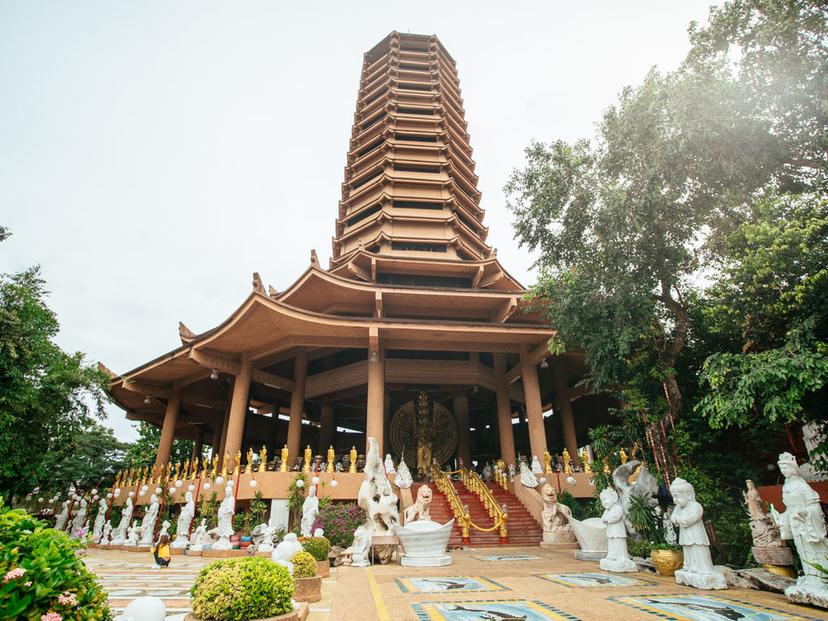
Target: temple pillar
198, 443
238, 409
217, 438
162, 456
565, 408
534, 407
297, 405
461, 414
224, 422
504, 411
374, 422
327, 429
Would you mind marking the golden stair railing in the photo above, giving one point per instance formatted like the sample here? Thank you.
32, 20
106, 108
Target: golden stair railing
461, 512
498, 513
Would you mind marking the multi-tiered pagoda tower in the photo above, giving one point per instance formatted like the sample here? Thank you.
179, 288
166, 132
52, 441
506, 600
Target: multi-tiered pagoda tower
414, 303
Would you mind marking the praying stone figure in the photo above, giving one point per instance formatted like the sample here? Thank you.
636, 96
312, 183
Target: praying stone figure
62, 517
536, 465
804, 523
224, 530
421, 509
698, 570
165, 529
200, 537
310, 509
617, 558
132, 534
120, 532
148, 523
557, 533
107, 530
185, 519
389, 464
285, 550
527, 477
80, 518
403, 480
357, 554
97, 531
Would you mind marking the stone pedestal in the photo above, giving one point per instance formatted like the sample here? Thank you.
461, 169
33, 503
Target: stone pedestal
712, 580
618, 565
552, 545
589, 555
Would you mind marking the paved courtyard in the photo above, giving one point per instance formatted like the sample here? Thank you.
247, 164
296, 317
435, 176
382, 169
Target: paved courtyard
502, 584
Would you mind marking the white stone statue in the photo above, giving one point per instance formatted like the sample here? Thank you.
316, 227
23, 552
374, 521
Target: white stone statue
200, 537
643, 484
185, 520
555, 517
285, 550
403, 480
804, 523
670, 535
107, 530
266, 537
617, 558
224, 530
389, 464
511, 470
132, 534
120, 532
148, 523
62, 517
421, 509
100, 519
357, 553
165, 530
378, 500
487, 473
536, 465
768, 547
698, 570
79, 519
310, 509
527, 478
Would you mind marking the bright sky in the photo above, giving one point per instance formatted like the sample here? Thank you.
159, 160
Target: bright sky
154, 154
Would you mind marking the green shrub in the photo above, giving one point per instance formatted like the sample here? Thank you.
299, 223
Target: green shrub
242, 588
638, 547
317, 547
40, 573
643, 518
339, 521
304, 565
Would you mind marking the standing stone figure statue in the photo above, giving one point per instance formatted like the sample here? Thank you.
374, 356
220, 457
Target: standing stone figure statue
132, 534
224, 530
185, 519
148, 523
200, 537
100, 519
120, 532
536, 465
107, 530
403, 480
804, 523
617, 558
555, 520
698, 570
310, 509
62, 517
527, 477
80, 518
389, 464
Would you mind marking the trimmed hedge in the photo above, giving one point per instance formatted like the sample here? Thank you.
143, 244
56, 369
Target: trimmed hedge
304, 565
317, 547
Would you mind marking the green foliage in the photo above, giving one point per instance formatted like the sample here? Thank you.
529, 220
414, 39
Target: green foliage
339, 521
46, 394
91, 459
54, 578
639, 547
665, 546
142, 452
242, 588
304, 565
317, 547
258, 508
208, 509
296, 498
643, 518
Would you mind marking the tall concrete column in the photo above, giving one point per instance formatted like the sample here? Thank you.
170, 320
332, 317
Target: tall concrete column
198, 443
534, 407
223, 442
565, 409
375, 417
297, 405
460, 404
217, 439
168, 429
238, 409
504, 411
327, 429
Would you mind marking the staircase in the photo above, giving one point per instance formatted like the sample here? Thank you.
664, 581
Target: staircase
523, 529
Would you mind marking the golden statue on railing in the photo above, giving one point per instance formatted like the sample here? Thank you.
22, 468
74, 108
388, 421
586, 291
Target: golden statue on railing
352, 460
283, 467
262, 459
248, 467
331, 458
308, 459
547, 462
567, 462
585, 461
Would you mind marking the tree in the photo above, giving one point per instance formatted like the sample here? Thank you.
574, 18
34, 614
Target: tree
46, 394
90, 459
142, 452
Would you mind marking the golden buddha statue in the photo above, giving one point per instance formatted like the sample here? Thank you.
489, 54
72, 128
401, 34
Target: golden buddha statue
606, 466
237, 467
585, 461
248, 468
262, 459
308, 457
177, 470
215, 466
224, 464
547, 461
567, 462
353, 457
622, 455
285, 454
331, 459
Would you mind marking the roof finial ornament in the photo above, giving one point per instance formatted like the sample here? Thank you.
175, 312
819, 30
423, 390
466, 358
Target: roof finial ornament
258, 285
271, 291
314, 258
104, 369
184, 333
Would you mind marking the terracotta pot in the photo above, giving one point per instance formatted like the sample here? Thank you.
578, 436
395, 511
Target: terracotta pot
290, 616
667, 561
308, 589
323, 568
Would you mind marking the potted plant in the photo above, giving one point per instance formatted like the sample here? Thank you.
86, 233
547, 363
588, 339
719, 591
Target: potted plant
243, 589
308, 584
318, 548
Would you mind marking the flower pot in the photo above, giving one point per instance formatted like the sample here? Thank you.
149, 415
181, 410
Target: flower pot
667, 561
323, 568
294, 615
308, 589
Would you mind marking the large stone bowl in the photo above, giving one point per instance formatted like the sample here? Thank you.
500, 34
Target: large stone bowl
425, 543
592, 537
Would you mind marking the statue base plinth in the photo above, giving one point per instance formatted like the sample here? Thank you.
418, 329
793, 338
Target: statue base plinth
553, 545
710, 581
618, 565
177, 551
808, 593
776, 555
586, 555
425, 561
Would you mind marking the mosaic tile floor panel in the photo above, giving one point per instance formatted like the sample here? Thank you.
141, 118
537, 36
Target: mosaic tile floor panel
594, 579
705, 608
490, 610
447, 584
509, 557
